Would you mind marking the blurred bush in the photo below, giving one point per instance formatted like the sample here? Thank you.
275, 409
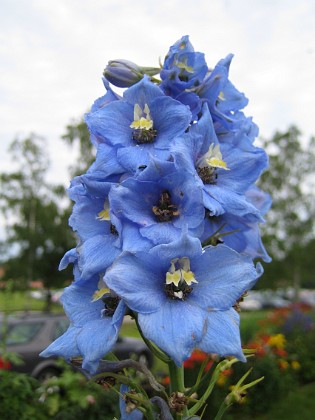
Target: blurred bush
67, 397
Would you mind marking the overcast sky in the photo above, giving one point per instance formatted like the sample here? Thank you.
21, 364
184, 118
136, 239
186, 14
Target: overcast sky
53, 52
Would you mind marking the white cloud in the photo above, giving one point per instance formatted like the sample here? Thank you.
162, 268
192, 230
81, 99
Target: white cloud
53, 52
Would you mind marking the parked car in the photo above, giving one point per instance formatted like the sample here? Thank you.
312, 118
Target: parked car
29, 334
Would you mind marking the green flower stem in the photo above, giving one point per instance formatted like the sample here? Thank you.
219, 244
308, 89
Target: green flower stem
177, 383
176, 377
222, 366
145, 403
143, 400
223, 408
202, 379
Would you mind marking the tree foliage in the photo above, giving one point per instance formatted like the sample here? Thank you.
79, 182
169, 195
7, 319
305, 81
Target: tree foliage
289, 228
36, 223
77, 134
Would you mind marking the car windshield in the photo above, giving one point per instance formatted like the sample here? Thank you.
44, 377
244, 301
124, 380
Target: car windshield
21, 333
60, 328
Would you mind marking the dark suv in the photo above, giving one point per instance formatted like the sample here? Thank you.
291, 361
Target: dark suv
29, 334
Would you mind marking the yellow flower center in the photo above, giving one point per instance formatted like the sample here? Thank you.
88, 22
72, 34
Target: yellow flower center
104, 214
141, 118
179, 272
214, 158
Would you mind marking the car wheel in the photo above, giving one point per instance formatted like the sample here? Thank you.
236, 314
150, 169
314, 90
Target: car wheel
47, 373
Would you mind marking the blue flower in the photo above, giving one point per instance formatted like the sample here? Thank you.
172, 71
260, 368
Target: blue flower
97, 230
94, 325
128, 411
145, 122
184, 295
183, 68
224, 171
159, 202
239, 233
223, 98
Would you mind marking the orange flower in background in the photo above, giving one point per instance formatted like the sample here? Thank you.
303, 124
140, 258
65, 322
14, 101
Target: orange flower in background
283, 364
197, 357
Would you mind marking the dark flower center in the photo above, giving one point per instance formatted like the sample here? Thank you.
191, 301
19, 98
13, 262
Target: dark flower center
143, 136
179, 292
165, 210
110, 303
207, 174
113, 230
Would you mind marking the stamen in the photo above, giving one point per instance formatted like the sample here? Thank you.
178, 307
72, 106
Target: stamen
209, 163
104, 214
143, 125
111, 303
179, 279
113, 230
165, 210
207, 174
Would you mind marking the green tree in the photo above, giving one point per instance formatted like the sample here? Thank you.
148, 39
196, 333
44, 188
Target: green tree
36, 224
289, 225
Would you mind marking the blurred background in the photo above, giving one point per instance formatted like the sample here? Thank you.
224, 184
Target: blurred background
52, 55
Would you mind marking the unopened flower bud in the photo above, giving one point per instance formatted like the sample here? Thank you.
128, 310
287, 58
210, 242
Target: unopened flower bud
125, 73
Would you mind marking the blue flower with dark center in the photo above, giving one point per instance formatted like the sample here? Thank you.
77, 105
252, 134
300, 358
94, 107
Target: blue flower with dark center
183, 68
225, 171
145, 122
159, 202
95, 324
239, 233
184, 295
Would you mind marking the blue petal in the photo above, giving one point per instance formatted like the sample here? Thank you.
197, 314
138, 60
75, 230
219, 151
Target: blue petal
177, 327
78, 305
223, 276
132, 240
184, 246
139, 280
65, 346
143, 92
232, 202
135, 414
98, 337
222, 335
170, 118
111, 124
97, 254
159, 233
106, 161
133, 157
70, 257
259, 199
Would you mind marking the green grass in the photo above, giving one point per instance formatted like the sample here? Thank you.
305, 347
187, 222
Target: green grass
299, 404
21, 301
129, 329
249, 323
